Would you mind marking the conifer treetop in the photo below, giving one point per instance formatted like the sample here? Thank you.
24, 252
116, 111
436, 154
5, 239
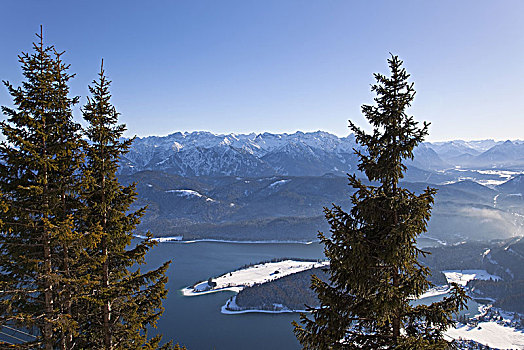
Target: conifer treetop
395, 134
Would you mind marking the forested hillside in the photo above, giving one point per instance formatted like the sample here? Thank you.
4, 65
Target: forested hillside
291, 207
291, 292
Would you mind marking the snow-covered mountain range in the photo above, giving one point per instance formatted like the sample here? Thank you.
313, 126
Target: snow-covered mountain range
274, 186
310, 154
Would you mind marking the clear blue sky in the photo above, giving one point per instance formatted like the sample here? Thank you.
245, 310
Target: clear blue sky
281, 66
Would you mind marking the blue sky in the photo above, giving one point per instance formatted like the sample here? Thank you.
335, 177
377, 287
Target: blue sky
283, 65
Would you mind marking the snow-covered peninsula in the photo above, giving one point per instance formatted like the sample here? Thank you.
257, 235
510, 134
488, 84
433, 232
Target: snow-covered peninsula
237, 280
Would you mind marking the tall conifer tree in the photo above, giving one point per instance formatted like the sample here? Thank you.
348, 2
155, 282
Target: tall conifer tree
374, 272
39, 181
124, 303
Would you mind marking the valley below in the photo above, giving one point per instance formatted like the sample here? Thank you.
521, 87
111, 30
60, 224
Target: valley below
217, 203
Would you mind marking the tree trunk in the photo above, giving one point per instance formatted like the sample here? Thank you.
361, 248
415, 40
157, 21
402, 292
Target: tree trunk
48, 295
107, 303
105, 272
47, 332
396, 318
67, 338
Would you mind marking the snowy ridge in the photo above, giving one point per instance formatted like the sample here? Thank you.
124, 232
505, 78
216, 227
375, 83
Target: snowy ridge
203, 153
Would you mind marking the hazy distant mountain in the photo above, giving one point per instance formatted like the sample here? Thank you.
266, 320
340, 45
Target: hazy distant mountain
457, 148
506, 154
481, 154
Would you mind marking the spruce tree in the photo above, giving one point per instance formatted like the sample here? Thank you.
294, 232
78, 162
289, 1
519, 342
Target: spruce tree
39, 181
374, 269
124, 301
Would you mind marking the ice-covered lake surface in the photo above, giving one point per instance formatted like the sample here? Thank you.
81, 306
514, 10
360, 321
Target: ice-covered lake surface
198, 323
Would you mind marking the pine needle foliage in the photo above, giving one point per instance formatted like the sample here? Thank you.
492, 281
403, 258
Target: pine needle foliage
374, 269
39, 181
125, 301
69, 269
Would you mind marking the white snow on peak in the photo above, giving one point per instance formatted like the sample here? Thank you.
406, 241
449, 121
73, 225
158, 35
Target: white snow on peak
257, 144
177, 146
225, 142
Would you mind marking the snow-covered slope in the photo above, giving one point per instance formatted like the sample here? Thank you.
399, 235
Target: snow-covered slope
491, 334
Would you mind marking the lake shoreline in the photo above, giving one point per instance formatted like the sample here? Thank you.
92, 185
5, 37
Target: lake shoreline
231, 308
180, 240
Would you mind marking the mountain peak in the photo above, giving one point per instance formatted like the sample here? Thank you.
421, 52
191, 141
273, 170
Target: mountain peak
300, 153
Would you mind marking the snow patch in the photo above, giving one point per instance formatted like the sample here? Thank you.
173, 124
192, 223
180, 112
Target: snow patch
176, 146
185, 193
491, 334
278, 183
462, 277
435, 291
